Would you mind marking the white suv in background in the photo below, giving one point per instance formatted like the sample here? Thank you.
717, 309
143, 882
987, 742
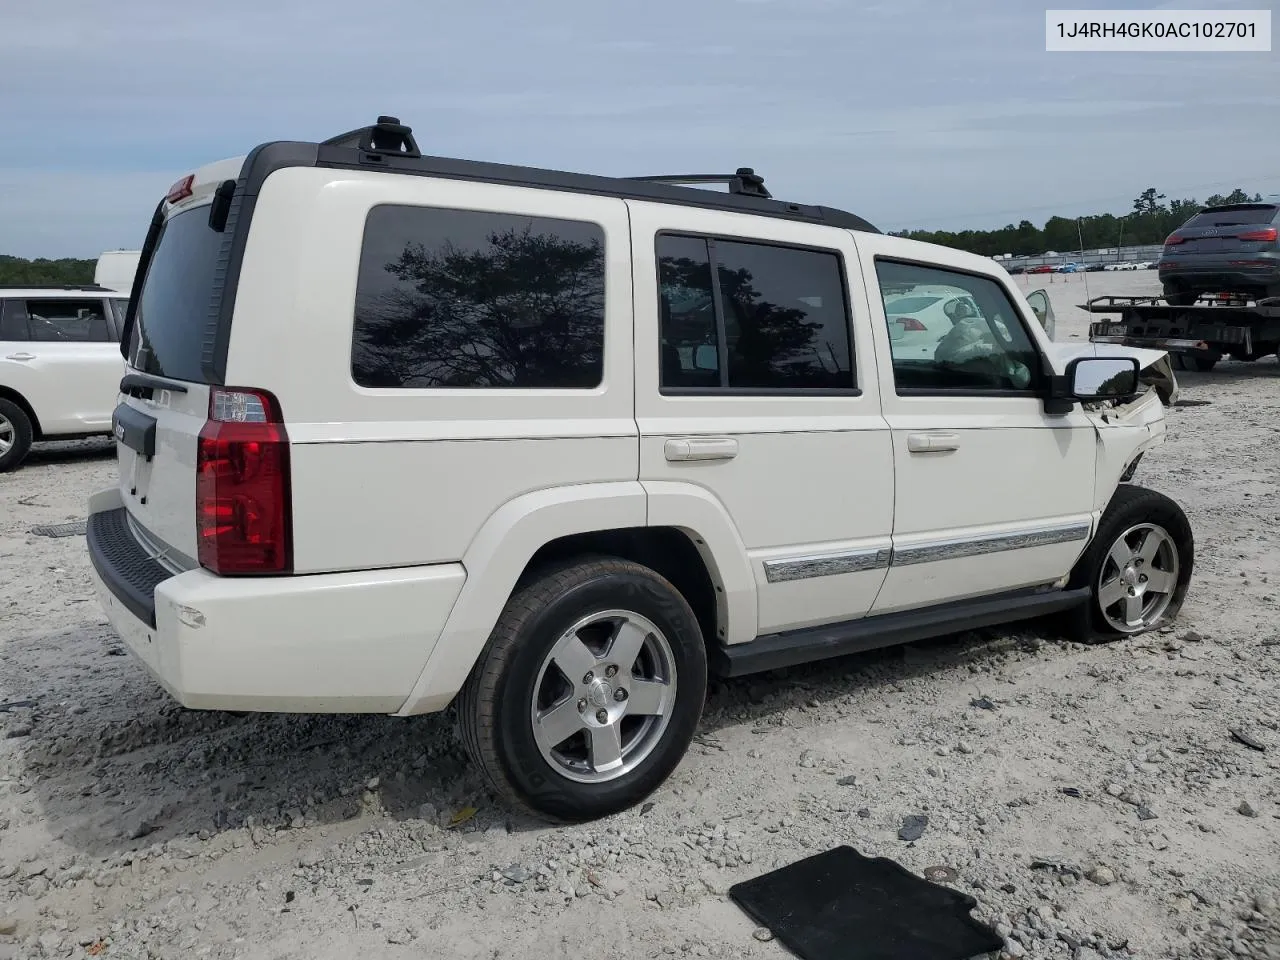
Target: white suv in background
400, 432
60, 364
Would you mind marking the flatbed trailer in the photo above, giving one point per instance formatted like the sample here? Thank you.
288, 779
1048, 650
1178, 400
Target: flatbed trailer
1196, 336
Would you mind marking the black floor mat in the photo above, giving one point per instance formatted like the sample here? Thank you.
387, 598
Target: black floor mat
840, 905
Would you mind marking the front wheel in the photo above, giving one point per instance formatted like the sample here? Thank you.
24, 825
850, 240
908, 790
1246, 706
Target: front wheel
588, 692
1138, 567
15, 435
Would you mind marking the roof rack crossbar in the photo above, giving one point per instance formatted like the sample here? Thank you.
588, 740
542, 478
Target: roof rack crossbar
387, 136
744, 182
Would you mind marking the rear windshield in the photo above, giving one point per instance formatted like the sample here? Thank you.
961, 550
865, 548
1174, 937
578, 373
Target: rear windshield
1262, 213
168, 333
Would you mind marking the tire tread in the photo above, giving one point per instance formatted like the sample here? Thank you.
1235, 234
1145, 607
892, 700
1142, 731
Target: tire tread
23, 435
1128, 504
477, 719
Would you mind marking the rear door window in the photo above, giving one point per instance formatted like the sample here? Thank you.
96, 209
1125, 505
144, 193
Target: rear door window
67, 321
770, 318
462, 298
168, 331
13, 320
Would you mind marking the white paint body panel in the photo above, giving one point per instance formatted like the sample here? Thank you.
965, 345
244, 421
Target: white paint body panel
498, 556
415, 511
335, 643
1014, 468
160, 495
417, 449
812, 473
71, 386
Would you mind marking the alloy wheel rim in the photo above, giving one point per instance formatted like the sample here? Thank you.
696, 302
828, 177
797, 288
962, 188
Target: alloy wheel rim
604, 696
7, 435
1138, 578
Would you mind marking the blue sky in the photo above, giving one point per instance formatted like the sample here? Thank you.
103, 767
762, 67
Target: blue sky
909, 112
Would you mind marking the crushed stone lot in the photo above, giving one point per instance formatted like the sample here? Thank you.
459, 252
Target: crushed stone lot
1097, 801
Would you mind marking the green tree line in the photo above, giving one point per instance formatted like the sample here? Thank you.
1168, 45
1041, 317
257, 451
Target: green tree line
1152, 218
18, 271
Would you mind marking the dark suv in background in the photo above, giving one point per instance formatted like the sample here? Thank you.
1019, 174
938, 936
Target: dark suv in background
1232, 248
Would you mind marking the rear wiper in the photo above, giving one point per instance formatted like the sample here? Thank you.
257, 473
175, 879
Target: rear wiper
145, 381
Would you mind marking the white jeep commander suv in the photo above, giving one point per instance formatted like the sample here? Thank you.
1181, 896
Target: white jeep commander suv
60, 364
400, 432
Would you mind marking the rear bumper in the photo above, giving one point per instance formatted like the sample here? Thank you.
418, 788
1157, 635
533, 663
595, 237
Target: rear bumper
1213, 273
325, 643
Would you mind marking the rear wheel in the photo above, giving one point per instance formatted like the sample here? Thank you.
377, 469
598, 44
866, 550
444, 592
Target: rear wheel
1179, 298
588, 692
1139, 564
1203, 362
1259, 351
15, 435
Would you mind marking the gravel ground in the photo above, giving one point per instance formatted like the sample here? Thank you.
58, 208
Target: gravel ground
1094, 800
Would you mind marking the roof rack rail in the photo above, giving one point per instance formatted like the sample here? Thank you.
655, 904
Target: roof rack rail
745, 182
83, 287
387, 136
389, 145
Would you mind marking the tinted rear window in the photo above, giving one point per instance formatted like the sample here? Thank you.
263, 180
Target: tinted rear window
169, 325
1263, 213
782, 321
460, 298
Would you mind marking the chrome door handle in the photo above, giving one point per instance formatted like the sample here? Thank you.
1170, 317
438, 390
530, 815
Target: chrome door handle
21, 356
932, 442
701, 448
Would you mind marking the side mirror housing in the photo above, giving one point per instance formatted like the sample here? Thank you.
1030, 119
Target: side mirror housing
1090, 379
1103, 378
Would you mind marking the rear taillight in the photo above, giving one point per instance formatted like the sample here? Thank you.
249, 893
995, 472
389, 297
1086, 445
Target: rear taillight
1173, 239
1267, 235
910, 323
242, 485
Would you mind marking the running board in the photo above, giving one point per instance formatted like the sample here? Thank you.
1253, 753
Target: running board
777, 650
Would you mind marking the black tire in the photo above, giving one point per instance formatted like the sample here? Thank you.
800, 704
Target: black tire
1202, 362
18, 433
1133, 506
495, 707
1260, 350
1179, 298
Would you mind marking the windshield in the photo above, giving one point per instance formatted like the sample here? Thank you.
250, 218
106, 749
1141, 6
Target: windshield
168, 332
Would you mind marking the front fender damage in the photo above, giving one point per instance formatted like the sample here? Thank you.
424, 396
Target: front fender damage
1159, 376
1125, 432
